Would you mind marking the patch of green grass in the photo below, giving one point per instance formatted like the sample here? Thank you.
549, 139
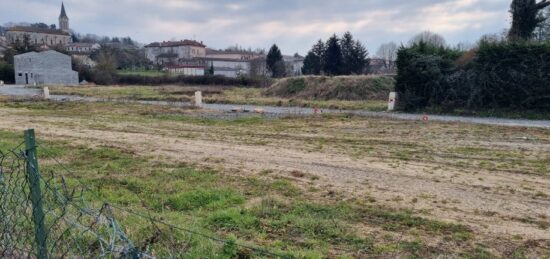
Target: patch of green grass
232, 219
285, 188
295, 86
10, 140
204, 198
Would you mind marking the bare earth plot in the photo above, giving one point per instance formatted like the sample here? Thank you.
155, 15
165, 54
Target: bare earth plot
495, 180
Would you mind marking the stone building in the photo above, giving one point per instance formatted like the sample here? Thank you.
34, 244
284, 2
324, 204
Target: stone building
42, 36
175, 52
44, 68
82, 48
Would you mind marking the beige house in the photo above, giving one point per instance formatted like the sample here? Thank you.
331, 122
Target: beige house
38, 36
82, 48
175, 52
42, 36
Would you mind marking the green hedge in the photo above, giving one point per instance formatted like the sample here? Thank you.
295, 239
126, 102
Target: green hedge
422, 75
515, 75
506, 76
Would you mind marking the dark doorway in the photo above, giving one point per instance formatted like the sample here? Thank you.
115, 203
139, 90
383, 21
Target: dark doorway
26, 78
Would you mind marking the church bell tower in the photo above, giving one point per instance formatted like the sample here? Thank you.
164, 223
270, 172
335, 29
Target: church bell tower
63, 20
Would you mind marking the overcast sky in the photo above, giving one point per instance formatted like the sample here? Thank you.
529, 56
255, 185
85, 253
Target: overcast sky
293, 24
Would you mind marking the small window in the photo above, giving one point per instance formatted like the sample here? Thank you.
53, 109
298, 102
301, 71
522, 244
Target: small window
20, 74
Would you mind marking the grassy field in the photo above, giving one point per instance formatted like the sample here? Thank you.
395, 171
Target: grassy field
251, 96
318, 187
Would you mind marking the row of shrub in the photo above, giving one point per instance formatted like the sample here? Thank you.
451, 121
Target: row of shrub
500, 76
106, 77
187, 80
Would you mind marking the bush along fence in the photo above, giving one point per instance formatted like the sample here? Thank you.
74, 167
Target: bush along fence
44, 215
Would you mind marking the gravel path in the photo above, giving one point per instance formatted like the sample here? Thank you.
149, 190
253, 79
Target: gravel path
273, 111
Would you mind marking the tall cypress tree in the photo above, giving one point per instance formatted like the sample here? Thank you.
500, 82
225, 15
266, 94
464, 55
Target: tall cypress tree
312, 64
275, 62
332, 59
348, 53
319, 50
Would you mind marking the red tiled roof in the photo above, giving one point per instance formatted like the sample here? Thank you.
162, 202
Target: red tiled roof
38, 30
176, 44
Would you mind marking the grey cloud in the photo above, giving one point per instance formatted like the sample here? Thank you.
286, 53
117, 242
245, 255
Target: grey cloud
294, 24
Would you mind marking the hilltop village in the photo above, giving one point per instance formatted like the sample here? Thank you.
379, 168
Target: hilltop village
178, 57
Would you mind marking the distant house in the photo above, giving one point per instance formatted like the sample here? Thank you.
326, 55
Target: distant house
175, 52
79, 48
294, 64
44, 68
232, 63
178, 57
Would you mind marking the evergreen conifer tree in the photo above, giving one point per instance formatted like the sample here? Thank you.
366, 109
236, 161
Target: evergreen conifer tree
332, 59
275, 62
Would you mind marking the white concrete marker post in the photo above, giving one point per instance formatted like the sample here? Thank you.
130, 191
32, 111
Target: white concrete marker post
198, 99
392, 101
46, 93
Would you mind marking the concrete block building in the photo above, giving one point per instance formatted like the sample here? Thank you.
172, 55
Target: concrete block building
44, 68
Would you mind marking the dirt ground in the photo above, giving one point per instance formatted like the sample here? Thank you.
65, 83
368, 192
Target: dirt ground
494, 179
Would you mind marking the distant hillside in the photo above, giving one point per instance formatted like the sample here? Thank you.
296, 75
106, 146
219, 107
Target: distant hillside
351, 88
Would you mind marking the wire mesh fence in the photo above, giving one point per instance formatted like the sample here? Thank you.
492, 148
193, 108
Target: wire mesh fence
44, 215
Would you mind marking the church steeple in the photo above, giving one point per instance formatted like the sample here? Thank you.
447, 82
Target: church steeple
63, 13
63, 19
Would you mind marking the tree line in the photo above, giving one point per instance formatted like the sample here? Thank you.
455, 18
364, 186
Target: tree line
337, 56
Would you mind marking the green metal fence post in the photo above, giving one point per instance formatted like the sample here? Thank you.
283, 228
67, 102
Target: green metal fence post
33, 177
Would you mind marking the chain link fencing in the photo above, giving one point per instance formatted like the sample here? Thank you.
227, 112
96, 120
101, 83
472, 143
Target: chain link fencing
44, 215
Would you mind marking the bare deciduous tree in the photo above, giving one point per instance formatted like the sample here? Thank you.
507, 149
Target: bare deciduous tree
428, 37
388, 53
